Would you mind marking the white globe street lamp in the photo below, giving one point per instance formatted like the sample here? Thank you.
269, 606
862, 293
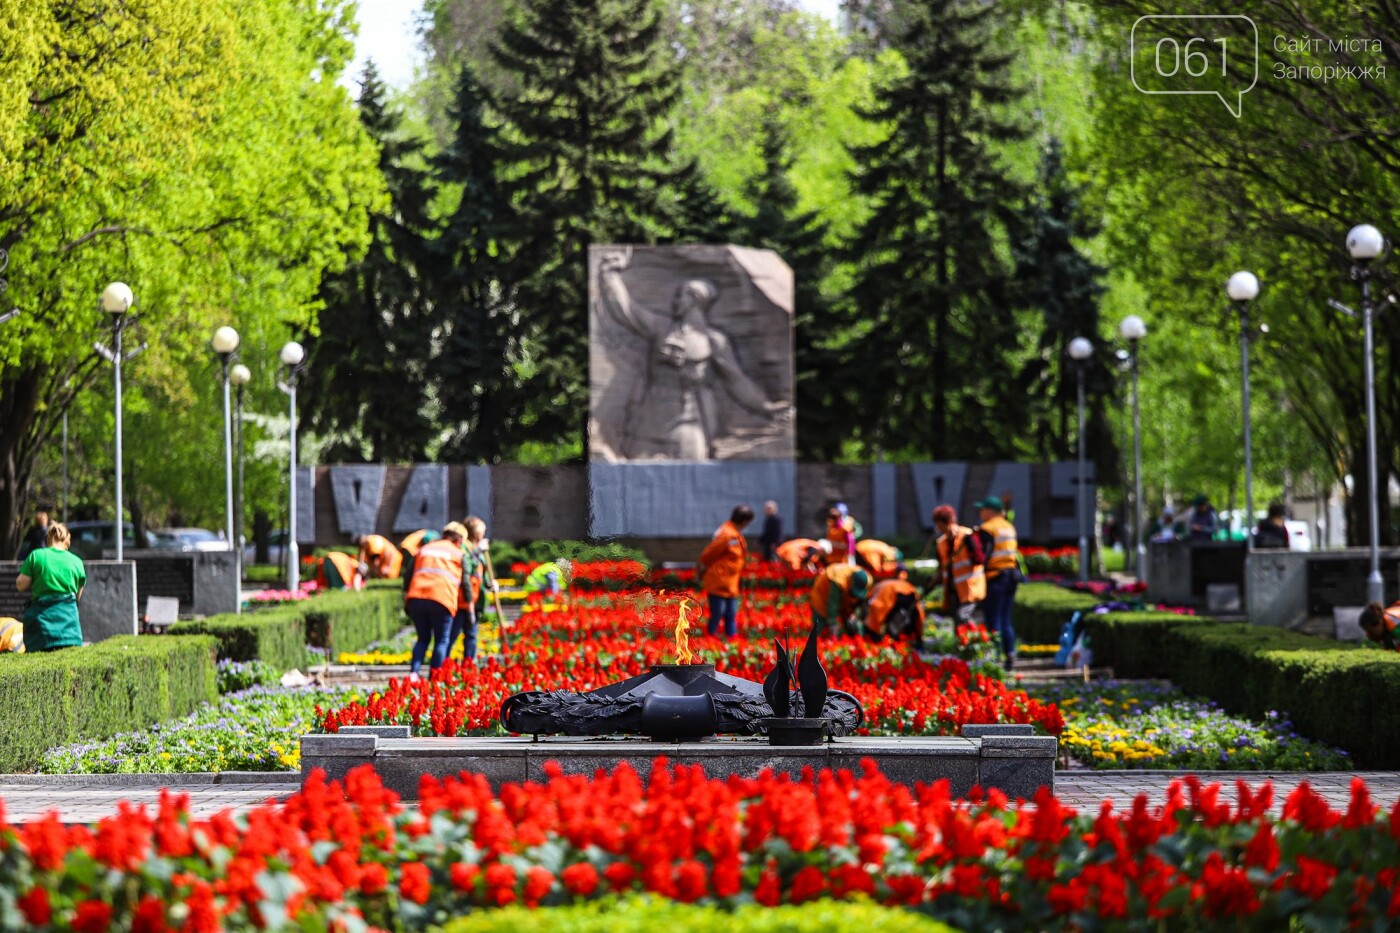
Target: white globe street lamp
240, 376
116, 301
225, 344
1365, 243
1243, 287
1080, 349
1134, 330
292, 356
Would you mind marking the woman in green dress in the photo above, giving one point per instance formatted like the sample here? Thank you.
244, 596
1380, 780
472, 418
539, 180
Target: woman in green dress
53, 577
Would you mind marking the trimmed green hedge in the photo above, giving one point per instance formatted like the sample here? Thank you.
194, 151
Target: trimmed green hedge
1042, 609
641, 915
1344, 694
350, 621
278, 635
1135, 644
82, 694
275, 635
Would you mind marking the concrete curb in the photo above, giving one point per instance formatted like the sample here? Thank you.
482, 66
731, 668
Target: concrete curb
170, 779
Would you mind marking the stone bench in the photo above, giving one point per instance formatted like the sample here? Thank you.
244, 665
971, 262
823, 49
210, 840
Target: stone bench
1010, 758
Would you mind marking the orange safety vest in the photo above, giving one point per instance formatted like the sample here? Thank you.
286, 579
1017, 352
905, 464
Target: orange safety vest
794, 553
388, 561
723, 560
437, 574
969, 581
346, 566
878, 555
410, 544
882, 599
1002, 555
840, 539
838, 577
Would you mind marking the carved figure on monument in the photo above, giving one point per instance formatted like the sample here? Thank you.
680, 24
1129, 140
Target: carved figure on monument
689, 388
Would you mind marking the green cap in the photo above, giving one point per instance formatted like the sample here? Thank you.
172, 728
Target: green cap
860, 584
991, 502
1201, 499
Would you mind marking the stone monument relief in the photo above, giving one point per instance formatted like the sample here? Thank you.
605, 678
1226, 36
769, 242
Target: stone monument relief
690, 354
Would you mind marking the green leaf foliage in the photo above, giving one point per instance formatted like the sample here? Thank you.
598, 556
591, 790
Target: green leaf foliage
202, 153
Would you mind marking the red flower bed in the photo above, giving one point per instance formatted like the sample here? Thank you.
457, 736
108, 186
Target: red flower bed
345, 856
587, 647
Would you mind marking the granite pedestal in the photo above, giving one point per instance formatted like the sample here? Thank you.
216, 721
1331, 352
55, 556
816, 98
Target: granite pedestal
1010, 758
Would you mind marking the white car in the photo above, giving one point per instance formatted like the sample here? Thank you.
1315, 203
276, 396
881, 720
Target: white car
196, 539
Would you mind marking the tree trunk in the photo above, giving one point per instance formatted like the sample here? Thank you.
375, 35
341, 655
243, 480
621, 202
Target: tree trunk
19, 397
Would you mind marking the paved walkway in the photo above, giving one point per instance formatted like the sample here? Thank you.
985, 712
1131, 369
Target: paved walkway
82, 803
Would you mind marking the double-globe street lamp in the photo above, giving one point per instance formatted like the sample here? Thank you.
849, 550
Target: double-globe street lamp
1133, 329
225, 344
293, 357
1243, 287
1365, 244
1080, 349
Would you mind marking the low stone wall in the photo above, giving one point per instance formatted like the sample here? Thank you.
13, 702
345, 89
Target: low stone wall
1010, 758
205, 582
1302, 589
108, 606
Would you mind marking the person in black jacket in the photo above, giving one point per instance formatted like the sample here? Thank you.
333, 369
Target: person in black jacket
772, 534
1271, 531
36, 537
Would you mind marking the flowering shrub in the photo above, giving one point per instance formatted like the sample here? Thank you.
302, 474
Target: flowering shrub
1051, 560
346, 856
240, 675
1154, 725
276, 597
254, 730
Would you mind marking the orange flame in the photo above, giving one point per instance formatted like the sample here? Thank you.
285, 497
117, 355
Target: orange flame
683, 653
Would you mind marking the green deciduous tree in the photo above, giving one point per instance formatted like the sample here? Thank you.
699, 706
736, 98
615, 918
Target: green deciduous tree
202, 153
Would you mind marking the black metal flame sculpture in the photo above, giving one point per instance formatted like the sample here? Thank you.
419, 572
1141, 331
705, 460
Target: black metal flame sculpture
690, 701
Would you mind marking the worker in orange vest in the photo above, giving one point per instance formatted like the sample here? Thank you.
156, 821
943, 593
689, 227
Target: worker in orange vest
803, 552
339, 571
998, 537
878, 557
477, 578
721, 564
377, 552
960, 563
433, 596
895, 611
837, 594
1380, 624
841, 537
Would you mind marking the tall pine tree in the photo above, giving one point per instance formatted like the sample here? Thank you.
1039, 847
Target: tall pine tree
1062, 285
931, 293
799, 238
587, 160
473, 380
367, 395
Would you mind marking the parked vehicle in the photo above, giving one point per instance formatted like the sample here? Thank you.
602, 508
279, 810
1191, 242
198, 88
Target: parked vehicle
276, 549
91, 539
196, 539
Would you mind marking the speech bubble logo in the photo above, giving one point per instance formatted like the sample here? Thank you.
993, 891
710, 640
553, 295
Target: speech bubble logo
1192, 54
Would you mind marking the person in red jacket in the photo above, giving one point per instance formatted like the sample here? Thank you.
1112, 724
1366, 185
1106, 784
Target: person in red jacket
721, 563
